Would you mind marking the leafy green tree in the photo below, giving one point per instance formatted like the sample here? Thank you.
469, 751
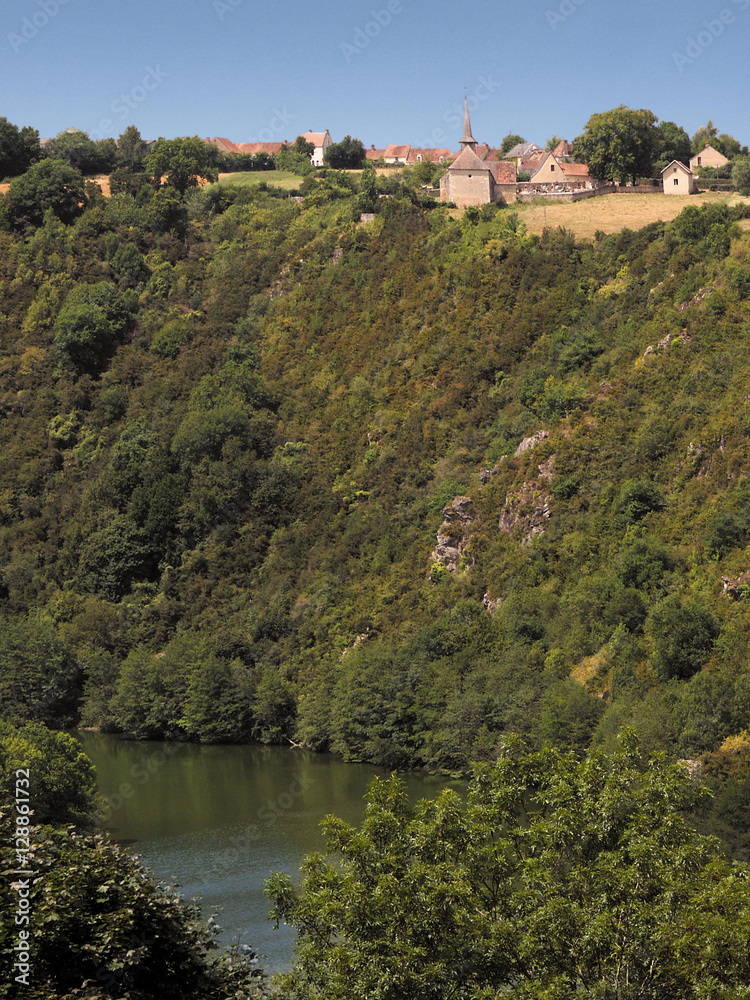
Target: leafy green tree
46, 186
61, 781
19, 148
705, 134
75, 148
91, 322
681, 636
131, 150
183, 162
509, 142
673, 143
296, 158
621, 144
559, 877
100, 927
741, 174
349, 154
553, 142
39, 677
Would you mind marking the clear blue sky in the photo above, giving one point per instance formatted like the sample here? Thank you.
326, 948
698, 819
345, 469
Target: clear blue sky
382, 70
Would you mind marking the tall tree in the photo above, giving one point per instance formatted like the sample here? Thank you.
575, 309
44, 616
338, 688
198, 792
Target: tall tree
19, 148
183, 162
46, 185
131, 149
620, 144
509, 142
706, 133
673, 144
75, 148
349, 154
559, 877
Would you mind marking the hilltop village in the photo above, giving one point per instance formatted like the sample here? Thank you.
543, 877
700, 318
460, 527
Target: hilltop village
480, 174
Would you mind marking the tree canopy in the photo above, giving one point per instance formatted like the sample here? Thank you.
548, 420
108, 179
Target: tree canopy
349, 154
47, 185
619, 145
19, 148
558, 877
509, 142
183, 162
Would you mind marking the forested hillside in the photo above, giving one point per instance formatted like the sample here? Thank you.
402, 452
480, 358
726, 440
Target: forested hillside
261, 475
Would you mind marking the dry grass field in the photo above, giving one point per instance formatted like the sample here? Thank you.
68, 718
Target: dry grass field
612, 212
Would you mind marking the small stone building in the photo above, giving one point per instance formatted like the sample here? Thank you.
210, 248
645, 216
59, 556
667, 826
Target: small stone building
678, 179
708, 157
470, 180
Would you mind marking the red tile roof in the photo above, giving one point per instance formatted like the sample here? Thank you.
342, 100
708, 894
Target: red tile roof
504, 171
272, 148
417, 154
575, 169
397, 152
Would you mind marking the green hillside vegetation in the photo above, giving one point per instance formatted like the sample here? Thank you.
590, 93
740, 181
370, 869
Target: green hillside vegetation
232, 422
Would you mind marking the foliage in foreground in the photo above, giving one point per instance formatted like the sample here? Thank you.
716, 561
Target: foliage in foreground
557, 878
96, 924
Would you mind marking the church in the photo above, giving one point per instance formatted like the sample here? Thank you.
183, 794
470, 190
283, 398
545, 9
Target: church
475, 180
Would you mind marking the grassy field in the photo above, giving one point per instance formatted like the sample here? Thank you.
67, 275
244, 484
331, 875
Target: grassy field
612, 212
276, 178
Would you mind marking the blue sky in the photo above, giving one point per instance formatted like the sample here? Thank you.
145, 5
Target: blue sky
382, 70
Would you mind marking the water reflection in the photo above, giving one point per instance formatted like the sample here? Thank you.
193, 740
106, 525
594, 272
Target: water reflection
216, 820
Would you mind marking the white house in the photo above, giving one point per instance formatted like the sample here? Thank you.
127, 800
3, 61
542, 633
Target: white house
678, 179
321, 141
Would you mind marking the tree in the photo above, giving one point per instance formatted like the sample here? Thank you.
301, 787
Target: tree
621, 144
296, 158
681, 636
40, 679
706, 134
131, 150
75, 148
741, 174
99, 927
509, 142
553, 142
19, 148
349, 154
46, 186
61, 783
673, 144
183, 162
92, 320
559, 877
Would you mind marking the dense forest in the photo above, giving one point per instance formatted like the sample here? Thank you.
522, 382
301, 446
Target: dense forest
389, 484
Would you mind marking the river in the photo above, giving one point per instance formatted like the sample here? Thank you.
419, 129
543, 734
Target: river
216, 820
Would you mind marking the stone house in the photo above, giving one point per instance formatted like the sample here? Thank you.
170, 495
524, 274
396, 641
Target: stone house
396, 154
708, 157
419, 155
523, 151
552, 170
678, 179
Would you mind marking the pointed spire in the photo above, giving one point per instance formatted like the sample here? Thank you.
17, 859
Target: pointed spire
467, 140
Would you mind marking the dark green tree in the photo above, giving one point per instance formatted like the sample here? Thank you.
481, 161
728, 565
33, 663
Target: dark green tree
19, 148
619, 145
92, 320
509, 142
559, 877
131, 150
349, 154
49, 185
673, 143
681, 637
81, 152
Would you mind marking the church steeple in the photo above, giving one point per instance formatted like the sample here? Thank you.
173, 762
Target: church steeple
467, 141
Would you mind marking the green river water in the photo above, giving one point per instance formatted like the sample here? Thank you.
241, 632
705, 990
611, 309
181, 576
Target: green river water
216, 820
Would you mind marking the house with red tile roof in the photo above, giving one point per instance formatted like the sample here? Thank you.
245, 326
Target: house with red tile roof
321, 141
270, 148
551, 170
418, 154
374, 154
396, 154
